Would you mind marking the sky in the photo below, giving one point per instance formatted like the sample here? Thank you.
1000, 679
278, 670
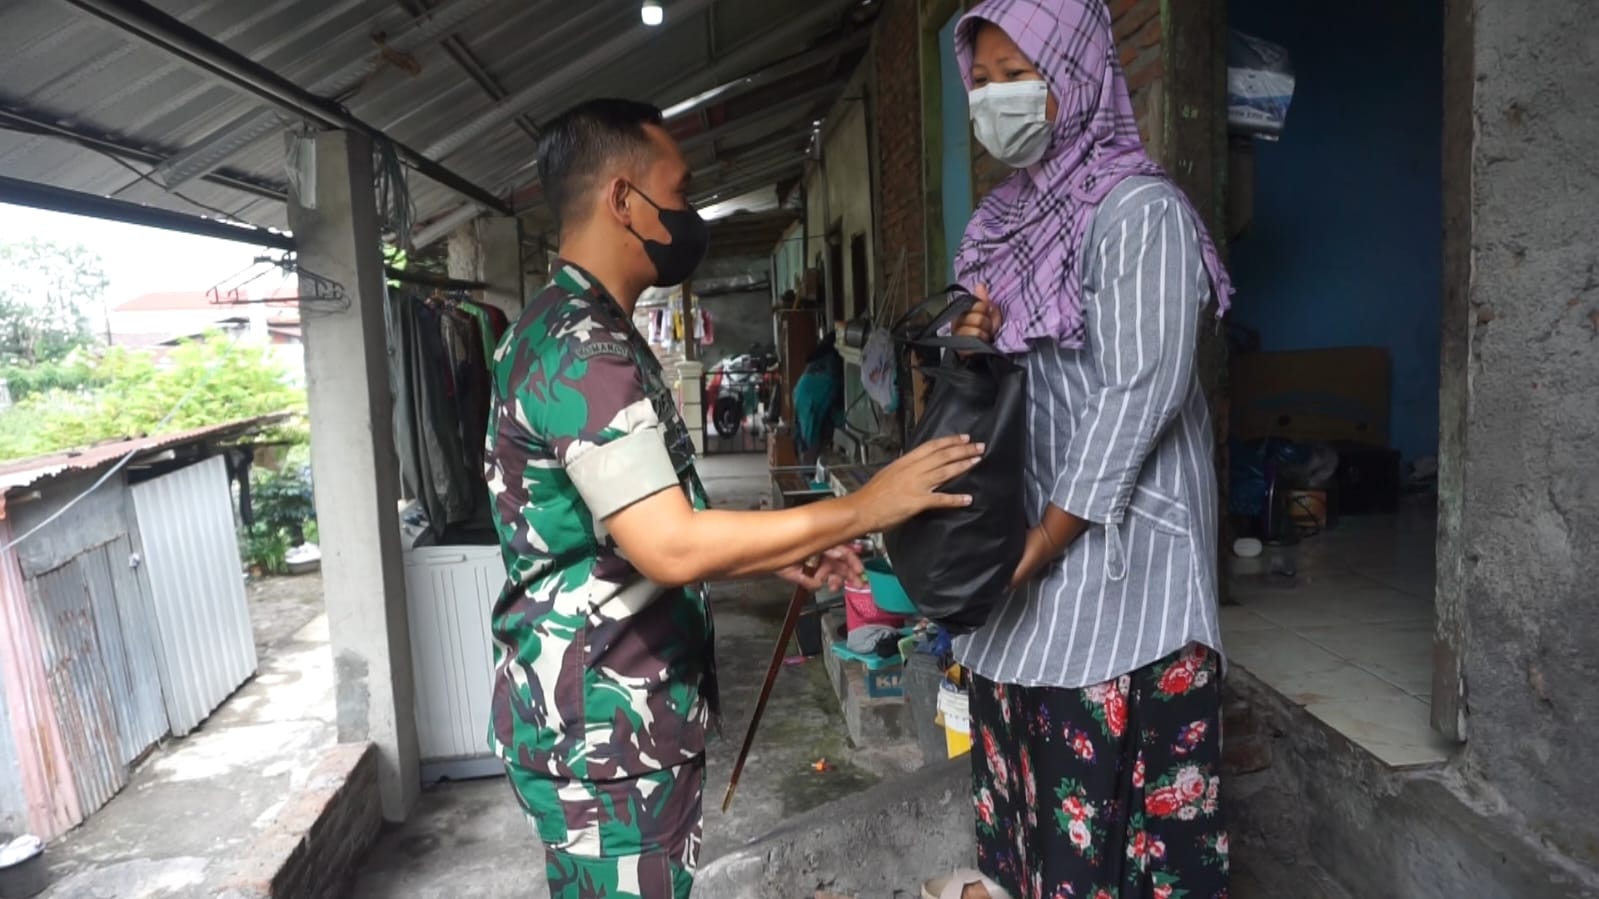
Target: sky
138, 260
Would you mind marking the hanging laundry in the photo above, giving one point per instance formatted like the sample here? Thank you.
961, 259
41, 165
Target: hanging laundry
658, 331
704, 327
441, 351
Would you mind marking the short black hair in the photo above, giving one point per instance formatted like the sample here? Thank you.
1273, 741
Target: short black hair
584, 142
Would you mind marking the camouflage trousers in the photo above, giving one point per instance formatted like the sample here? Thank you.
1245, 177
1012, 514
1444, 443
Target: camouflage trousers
621, 839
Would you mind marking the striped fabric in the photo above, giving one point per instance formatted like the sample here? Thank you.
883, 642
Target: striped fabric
1121, 438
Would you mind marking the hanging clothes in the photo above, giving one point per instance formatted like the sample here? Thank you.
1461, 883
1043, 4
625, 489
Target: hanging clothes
440, 348
704, 327
492, 324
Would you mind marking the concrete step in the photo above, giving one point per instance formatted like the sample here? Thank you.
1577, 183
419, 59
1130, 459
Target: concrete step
1267, 878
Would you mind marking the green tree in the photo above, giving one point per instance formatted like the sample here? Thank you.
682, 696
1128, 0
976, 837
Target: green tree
224, 380
46, 292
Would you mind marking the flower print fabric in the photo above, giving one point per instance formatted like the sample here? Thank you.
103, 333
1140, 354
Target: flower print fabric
1111, 791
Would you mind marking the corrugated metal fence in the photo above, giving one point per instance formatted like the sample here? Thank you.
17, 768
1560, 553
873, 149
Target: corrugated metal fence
191, 556
124, 618
93, 635
40, 794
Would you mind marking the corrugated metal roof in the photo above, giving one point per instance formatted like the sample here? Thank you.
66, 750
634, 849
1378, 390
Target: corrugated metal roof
29, 472
66, 71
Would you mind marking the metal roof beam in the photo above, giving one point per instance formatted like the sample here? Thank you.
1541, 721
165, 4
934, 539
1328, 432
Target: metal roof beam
750, 55
30, 121
143, 21
788, 68
44, 196
777, 152
760, 51
786, 108
563, 78
222, 144
746, 180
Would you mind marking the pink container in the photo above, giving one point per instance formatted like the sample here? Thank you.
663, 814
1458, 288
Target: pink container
861, 610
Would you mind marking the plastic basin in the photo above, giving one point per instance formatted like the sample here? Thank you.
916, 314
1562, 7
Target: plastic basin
887, 591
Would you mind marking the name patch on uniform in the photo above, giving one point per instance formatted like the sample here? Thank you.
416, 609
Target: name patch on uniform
589, 350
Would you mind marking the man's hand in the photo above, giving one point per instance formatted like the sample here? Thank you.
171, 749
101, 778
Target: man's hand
839, 566
909, 486
983, 320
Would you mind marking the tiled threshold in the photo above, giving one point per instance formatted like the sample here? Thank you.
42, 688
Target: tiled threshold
1349, 638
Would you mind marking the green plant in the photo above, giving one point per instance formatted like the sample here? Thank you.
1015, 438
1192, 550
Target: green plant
266, 549
285, 517
223, 380
283, 503
73, 374
46, 293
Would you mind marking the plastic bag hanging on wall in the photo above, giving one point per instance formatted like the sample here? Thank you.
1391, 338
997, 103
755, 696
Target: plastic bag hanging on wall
1260, 86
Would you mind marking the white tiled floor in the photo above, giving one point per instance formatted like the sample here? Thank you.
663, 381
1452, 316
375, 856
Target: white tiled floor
1350, 637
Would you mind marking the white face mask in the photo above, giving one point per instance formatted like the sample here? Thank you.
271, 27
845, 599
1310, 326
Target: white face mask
1012, 122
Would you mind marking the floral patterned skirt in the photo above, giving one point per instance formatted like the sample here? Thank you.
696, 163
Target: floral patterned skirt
1104, 792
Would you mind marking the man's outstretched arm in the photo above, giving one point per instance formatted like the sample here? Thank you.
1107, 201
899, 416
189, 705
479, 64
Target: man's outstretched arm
672, 544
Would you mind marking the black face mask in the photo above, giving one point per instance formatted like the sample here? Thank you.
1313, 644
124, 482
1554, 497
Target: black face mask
691, 237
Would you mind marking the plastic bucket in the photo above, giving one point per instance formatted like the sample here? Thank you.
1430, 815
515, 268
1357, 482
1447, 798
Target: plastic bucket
860, 610
887, 591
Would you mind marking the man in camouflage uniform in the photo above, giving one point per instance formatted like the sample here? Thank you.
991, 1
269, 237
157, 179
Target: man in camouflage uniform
604, 684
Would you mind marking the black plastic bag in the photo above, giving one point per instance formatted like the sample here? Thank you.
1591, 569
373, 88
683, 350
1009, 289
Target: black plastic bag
956, 564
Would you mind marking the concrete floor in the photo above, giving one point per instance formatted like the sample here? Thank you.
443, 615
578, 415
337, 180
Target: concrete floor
195, 801
468, 840
1350, 637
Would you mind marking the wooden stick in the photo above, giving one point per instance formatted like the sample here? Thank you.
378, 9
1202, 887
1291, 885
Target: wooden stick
796, 606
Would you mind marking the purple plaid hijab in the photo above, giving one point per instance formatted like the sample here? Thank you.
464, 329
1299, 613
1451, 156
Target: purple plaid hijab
1026, 239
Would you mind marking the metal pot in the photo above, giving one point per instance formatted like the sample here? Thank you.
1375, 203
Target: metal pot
856, 332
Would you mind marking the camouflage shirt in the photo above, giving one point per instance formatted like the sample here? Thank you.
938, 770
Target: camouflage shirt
599, 674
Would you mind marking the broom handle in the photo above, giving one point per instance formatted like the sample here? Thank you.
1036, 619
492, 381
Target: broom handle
796, 606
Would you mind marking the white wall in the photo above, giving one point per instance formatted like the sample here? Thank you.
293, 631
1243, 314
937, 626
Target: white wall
839, 191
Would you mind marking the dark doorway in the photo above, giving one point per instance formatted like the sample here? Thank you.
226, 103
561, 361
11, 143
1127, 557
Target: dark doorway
860, 299
835, 277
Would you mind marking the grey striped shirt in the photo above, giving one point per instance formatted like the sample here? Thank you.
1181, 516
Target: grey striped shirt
1121, 437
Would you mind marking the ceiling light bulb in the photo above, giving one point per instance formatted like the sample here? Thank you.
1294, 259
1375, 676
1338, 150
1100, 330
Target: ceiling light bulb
652, 13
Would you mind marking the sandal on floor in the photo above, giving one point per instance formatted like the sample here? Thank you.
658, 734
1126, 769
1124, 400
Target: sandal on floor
954, 886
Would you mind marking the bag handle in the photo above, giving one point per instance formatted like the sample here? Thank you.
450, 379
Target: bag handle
928, 337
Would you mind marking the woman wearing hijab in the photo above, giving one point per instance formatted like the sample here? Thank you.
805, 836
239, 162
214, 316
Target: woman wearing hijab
1095, 697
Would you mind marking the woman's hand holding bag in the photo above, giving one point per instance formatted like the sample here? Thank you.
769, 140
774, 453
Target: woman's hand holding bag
956, 564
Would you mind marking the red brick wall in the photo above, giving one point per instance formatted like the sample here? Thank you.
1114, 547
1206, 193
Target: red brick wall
897, 126
1138, 34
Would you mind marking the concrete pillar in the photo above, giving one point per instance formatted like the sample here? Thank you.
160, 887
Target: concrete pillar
691, 401
490, 250
1521, 427
356, 468
691, 347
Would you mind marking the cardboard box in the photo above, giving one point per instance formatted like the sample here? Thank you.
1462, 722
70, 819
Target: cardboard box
1333, 396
